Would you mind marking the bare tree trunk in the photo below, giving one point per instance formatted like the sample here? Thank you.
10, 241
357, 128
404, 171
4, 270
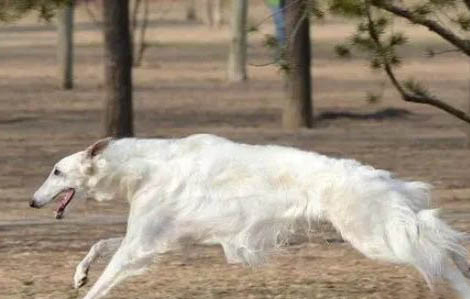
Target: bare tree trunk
237, 55
214, 15
191, 10
467, 125
118, 120
217, 11
209, 13
135, 16
298, 106
138, 42
65, 45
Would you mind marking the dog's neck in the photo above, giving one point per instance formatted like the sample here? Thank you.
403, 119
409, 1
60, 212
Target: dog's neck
117, 176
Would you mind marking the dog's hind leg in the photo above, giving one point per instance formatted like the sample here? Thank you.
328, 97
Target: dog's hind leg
100, 249
462, 264
457, 280
425, 242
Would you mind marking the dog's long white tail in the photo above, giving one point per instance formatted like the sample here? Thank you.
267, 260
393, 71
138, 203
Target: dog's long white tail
397, 225
433, 248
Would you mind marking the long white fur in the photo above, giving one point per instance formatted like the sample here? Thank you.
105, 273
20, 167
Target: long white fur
249, 198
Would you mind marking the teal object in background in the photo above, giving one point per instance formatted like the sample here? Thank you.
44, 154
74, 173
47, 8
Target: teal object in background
274, 2
276, 7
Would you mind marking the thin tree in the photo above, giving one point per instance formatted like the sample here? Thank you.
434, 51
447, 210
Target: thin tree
139, 19
65, 44
217, 12
118, 112
139, 44
11, 11
237, 52
298, 108
214, 12
191, 10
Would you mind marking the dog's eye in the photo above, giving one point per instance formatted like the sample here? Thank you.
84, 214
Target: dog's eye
57, 172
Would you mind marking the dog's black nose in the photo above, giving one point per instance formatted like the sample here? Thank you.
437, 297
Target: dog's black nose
32, 203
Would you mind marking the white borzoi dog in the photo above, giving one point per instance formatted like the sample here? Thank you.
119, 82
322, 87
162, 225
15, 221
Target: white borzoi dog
248, 198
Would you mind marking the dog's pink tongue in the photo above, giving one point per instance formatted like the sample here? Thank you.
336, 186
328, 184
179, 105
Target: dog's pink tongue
63, 203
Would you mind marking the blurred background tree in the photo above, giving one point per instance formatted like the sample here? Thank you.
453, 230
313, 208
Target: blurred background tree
298, 108
214, 14
10, 11
375, 37
138, 29
65, 44
238, 43
191, 12
118, 108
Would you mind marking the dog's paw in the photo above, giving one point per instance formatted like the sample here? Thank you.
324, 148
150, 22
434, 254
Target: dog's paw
80, 278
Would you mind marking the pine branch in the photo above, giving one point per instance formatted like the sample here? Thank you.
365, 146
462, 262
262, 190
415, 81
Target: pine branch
414, 97
451, 37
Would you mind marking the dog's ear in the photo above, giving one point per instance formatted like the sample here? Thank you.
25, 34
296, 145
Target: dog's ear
97, 147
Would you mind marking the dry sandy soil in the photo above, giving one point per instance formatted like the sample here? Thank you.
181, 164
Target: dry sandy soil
179, 90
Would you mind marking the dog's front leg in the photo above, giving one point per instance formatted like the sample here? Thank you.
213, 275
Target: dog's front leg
102, 248
148, 234
127, 261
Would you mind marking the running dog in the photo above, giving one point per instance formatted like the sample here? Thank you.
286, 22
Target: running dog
249, 199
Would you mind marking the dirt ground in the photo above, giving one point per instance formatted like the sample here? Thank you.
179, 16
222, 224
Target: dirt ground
179, 90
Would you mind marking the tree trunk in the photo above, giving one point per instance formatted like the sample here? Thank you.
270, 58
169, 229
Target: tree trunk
467, 125
237, 55
209, 13
65, 45
117, 69
217, 11
298, 106
214, 12
191, 10
139, 44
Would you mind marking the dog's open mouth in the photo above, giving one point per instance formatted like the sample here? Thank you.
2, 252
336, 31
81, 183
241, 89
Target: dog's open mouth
65, 197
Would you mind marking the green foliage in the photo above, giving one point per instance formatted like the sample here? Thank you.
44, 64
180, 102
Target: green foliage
463, 21
397, 39
11, 10
422, 10
416, 88
270, 41
252, 29
364, 41
343, 51
284, 66
373, 98
347, 8
314, 9
373, 38
376, 63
